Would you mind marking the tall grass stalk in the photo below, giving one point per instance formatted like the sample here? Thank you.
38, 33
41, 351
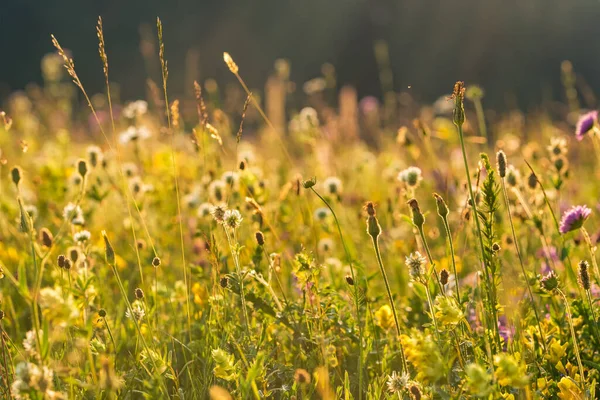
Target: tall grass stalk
356, 294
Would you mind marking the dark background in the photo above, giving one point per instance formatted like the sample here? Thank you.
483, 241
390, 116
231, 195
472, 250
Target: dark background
513, 48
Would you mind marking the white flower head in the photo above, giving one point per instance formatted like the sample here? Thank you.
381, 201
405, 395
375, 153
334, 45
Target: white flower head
82, 236
137, 311
333, 186
135, 109
396, 383
411, 176
73, 214
416, 265
232, 219
325, 245
322, 213
204, 210
216, 190
134, 133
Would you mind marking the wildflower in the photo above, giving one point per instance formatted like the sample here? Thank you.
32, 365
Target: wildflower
447, 311
135, 109
73, 214
32, 378
574, 218
139, 293
130, 169
225, 366
232, 219
224, 282
509, 371
513, 177
102, 313
584, 275
384, 317
478, 380
95, 156
307, 184
549, 282
134, 134
218, 213
204, 210
585, 123
231, 179
569, 390
29, 343
442, 208
396, 383
423, 352
82, 236
458, 96
333, 186
322, 213
411, 176
216, 190
325, 245
137, 311
156, 262
417, 215
557, 147
301, 376
416, 265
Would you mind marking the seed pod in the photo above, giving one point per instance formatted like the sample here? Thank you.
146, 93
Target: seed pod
495, 247
418, 218
102, 313
532, 181
584, 275
156, 262
15, 175
82, 168
260, 238
441, 206
61, 261
139, 293
68, 264
224, 282
501, 163
349, 280
46, 237
109, 251
309, 183
444, 275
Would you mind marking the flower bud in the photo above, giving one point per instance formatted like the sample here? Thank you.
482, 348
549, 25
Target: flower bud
418, 218
459, 109
444, 276
15, 175
109, 251
501, 163
82, 168
441, 206
349, 280
260, 238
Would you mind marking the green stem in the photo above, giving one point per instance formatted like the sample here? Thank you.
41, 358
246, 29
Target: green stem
575, 346
238, 270
451, 243
592, 250
516, 242
356, 295
391, 300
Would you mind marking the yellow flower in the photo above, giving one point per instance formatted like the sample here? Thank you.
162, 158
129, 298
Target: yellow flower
509, 371
200, 294
384, 318
423, 353
556, 351
447, 311
569, 389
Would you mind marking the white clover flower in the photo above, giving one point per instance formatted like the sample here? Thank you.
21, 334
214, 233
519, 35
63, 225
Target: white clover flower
82, 236
411, 176
416, 265
137, 310
72, 213
135, 109
204, 210
133, 134
396, 383
29, 343
95, 155
231, 179
232, 219
216, 191
325, 245
333, 185
322, 213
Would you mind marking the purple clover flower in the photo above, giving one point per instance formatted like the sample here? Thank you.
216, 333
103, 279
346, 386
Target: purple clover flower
585, 123
574, 218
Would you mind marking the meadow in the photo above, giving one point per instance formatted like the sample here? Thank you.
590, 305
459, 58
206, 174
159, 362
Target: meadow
237, 244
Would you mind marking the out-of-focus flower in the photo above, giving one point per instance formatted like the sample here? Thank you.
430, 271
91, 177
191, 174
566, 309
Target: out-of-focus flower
585, 123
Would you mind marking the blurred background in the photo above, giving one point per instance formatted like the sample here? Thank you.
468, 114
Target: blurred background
512, 48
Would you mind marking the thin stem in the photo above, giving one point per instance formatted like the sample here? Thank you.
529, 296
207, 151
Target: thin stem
356, 294
391, 300
592, 250
236, 262
451, 243
517, 248
575, 346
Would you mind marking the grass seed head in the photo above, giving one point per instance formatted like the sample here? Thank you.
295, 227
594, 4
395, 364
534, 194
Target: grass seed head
501, 163
584, 275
